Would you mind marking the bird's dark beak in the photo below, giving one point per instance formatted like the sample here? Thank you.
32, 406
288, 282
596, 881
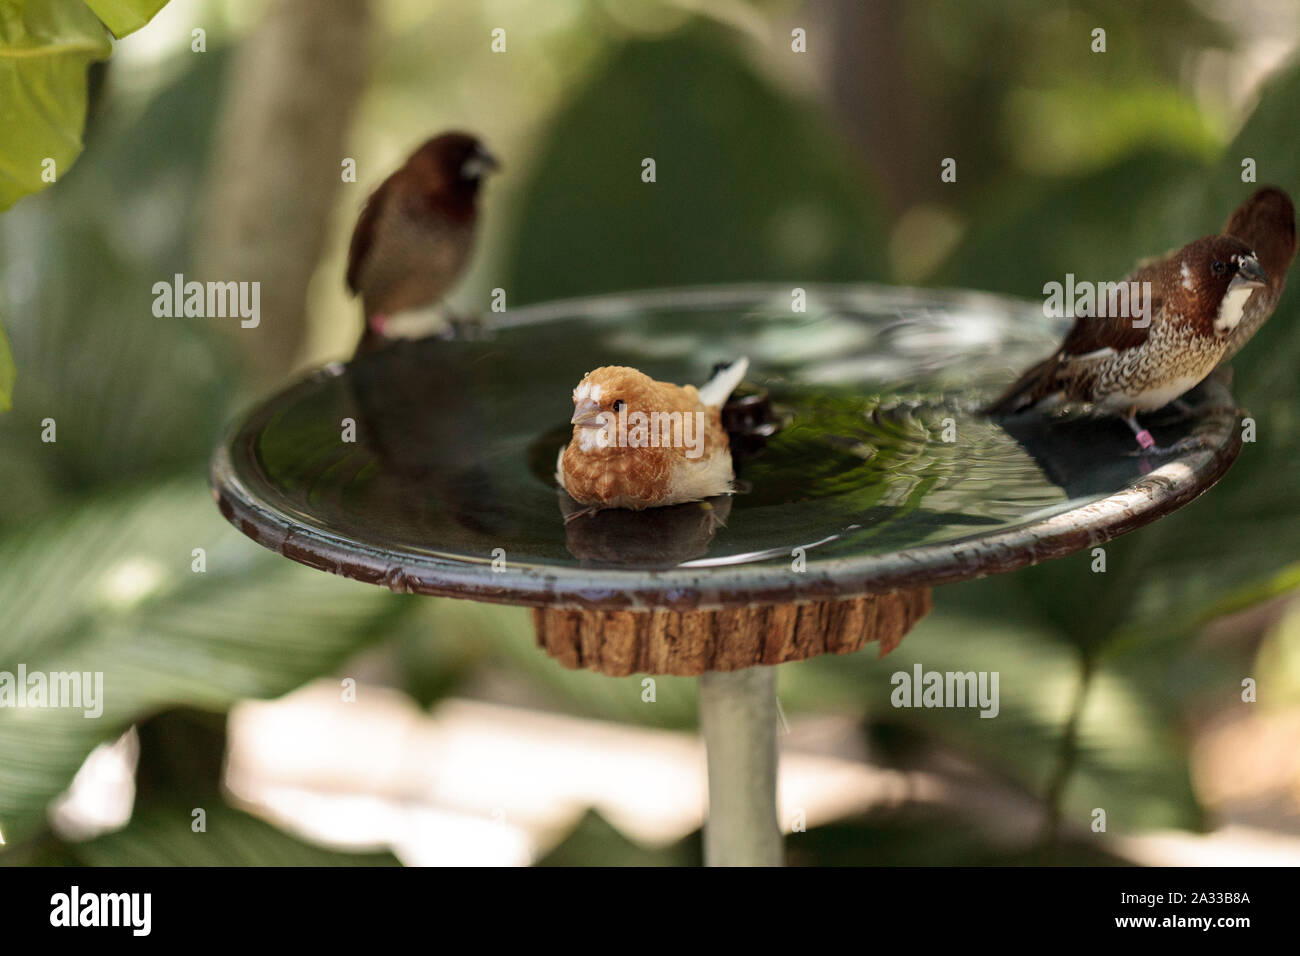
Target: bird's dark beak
1251, 272
587, 414
490, 162
478, 164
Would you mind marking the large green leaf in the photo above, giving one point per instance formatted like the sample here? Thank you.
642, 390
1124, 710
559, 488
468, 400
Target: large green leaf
750, 183
44, 51
125, 16
109, 588
926, 837
163, 836
45, 48
594, 841
885, 838
133, 395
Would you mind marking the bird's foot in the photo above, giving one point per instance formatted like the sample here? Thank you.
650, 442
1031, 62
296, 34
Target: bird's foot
1190, 443
715, 520
588, 511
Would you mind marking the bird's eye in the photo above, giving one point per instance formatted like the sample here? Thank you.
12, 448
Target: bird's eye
618, 404
1219, 268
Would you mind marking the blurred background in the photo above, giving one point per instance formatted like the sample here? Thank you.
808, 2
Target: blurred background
465, 744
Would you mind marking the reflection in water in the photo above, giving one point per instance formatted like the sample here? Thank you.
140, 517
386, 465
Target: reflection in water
654, 539
1089, 457
424, 438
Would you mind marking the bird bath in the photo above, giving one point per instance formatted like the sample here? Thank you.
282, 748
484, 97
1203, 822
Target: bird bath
879, 479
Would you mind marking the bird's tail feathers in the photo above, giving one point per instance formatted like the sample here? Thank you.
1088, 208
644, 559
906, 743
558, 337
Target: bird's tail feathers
718, 389
1027, 391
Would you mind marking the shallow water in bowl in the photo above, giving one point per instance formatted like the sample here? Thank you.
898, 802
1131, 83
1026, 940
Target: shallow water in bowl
880, 448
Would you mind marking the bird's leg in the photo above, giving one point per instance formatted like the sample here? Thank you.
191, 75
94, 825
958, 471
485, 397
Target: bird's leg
377, 322
1143, 436
1148, 443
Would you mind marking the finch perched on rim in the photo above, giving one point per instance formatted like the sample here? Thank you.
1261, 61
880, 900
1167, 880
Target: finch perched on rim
638, 443
413, 238
1143, 360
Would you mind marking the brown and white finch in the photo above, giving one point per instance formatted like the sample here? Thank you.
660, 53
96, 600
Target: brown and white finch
1266, 223
1125, 364
627, 449
413, 238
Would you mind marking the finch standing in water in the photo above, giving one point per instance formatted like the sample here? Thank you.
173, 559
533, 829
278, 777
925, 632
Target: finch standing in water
638, 443
413, 239
1143, 360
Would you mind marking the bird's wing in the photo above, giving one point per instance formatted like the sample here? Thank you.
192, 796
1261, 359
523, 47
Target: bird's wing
1116, 332
363, 235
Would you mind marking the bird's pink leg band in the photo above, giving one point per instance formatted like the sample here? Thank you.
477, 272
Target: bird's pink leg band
1145, 440
378, 321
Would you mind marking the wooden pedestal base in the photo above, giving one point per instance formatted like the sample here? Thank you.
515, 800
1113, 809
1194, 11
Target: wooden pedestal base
688, 643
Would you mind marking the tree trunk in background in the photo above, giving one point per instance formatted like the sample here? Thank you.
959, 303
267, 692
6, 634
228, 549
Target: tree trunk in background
276, 177
877, 101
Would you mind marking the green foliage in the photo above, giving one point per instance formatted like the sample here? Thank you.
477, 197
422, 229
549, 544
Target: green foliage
111, 588
133, 396
596, 842
162, 836
750, 183
890, 838
929, 838
125, 16
44, 51
97, 530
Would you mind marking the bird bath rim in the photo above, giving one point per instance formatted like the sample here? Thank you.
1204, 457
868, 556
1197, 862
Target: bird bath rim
1083, 523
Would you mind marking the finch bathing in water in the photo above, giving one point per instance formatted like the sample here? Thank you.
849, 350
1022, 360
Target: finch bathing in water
1144, 359
413, 238
638, 443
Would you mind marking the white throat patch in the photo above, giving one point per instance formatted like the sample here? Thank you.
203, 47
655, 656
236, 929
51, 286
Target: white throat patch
1230, 309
